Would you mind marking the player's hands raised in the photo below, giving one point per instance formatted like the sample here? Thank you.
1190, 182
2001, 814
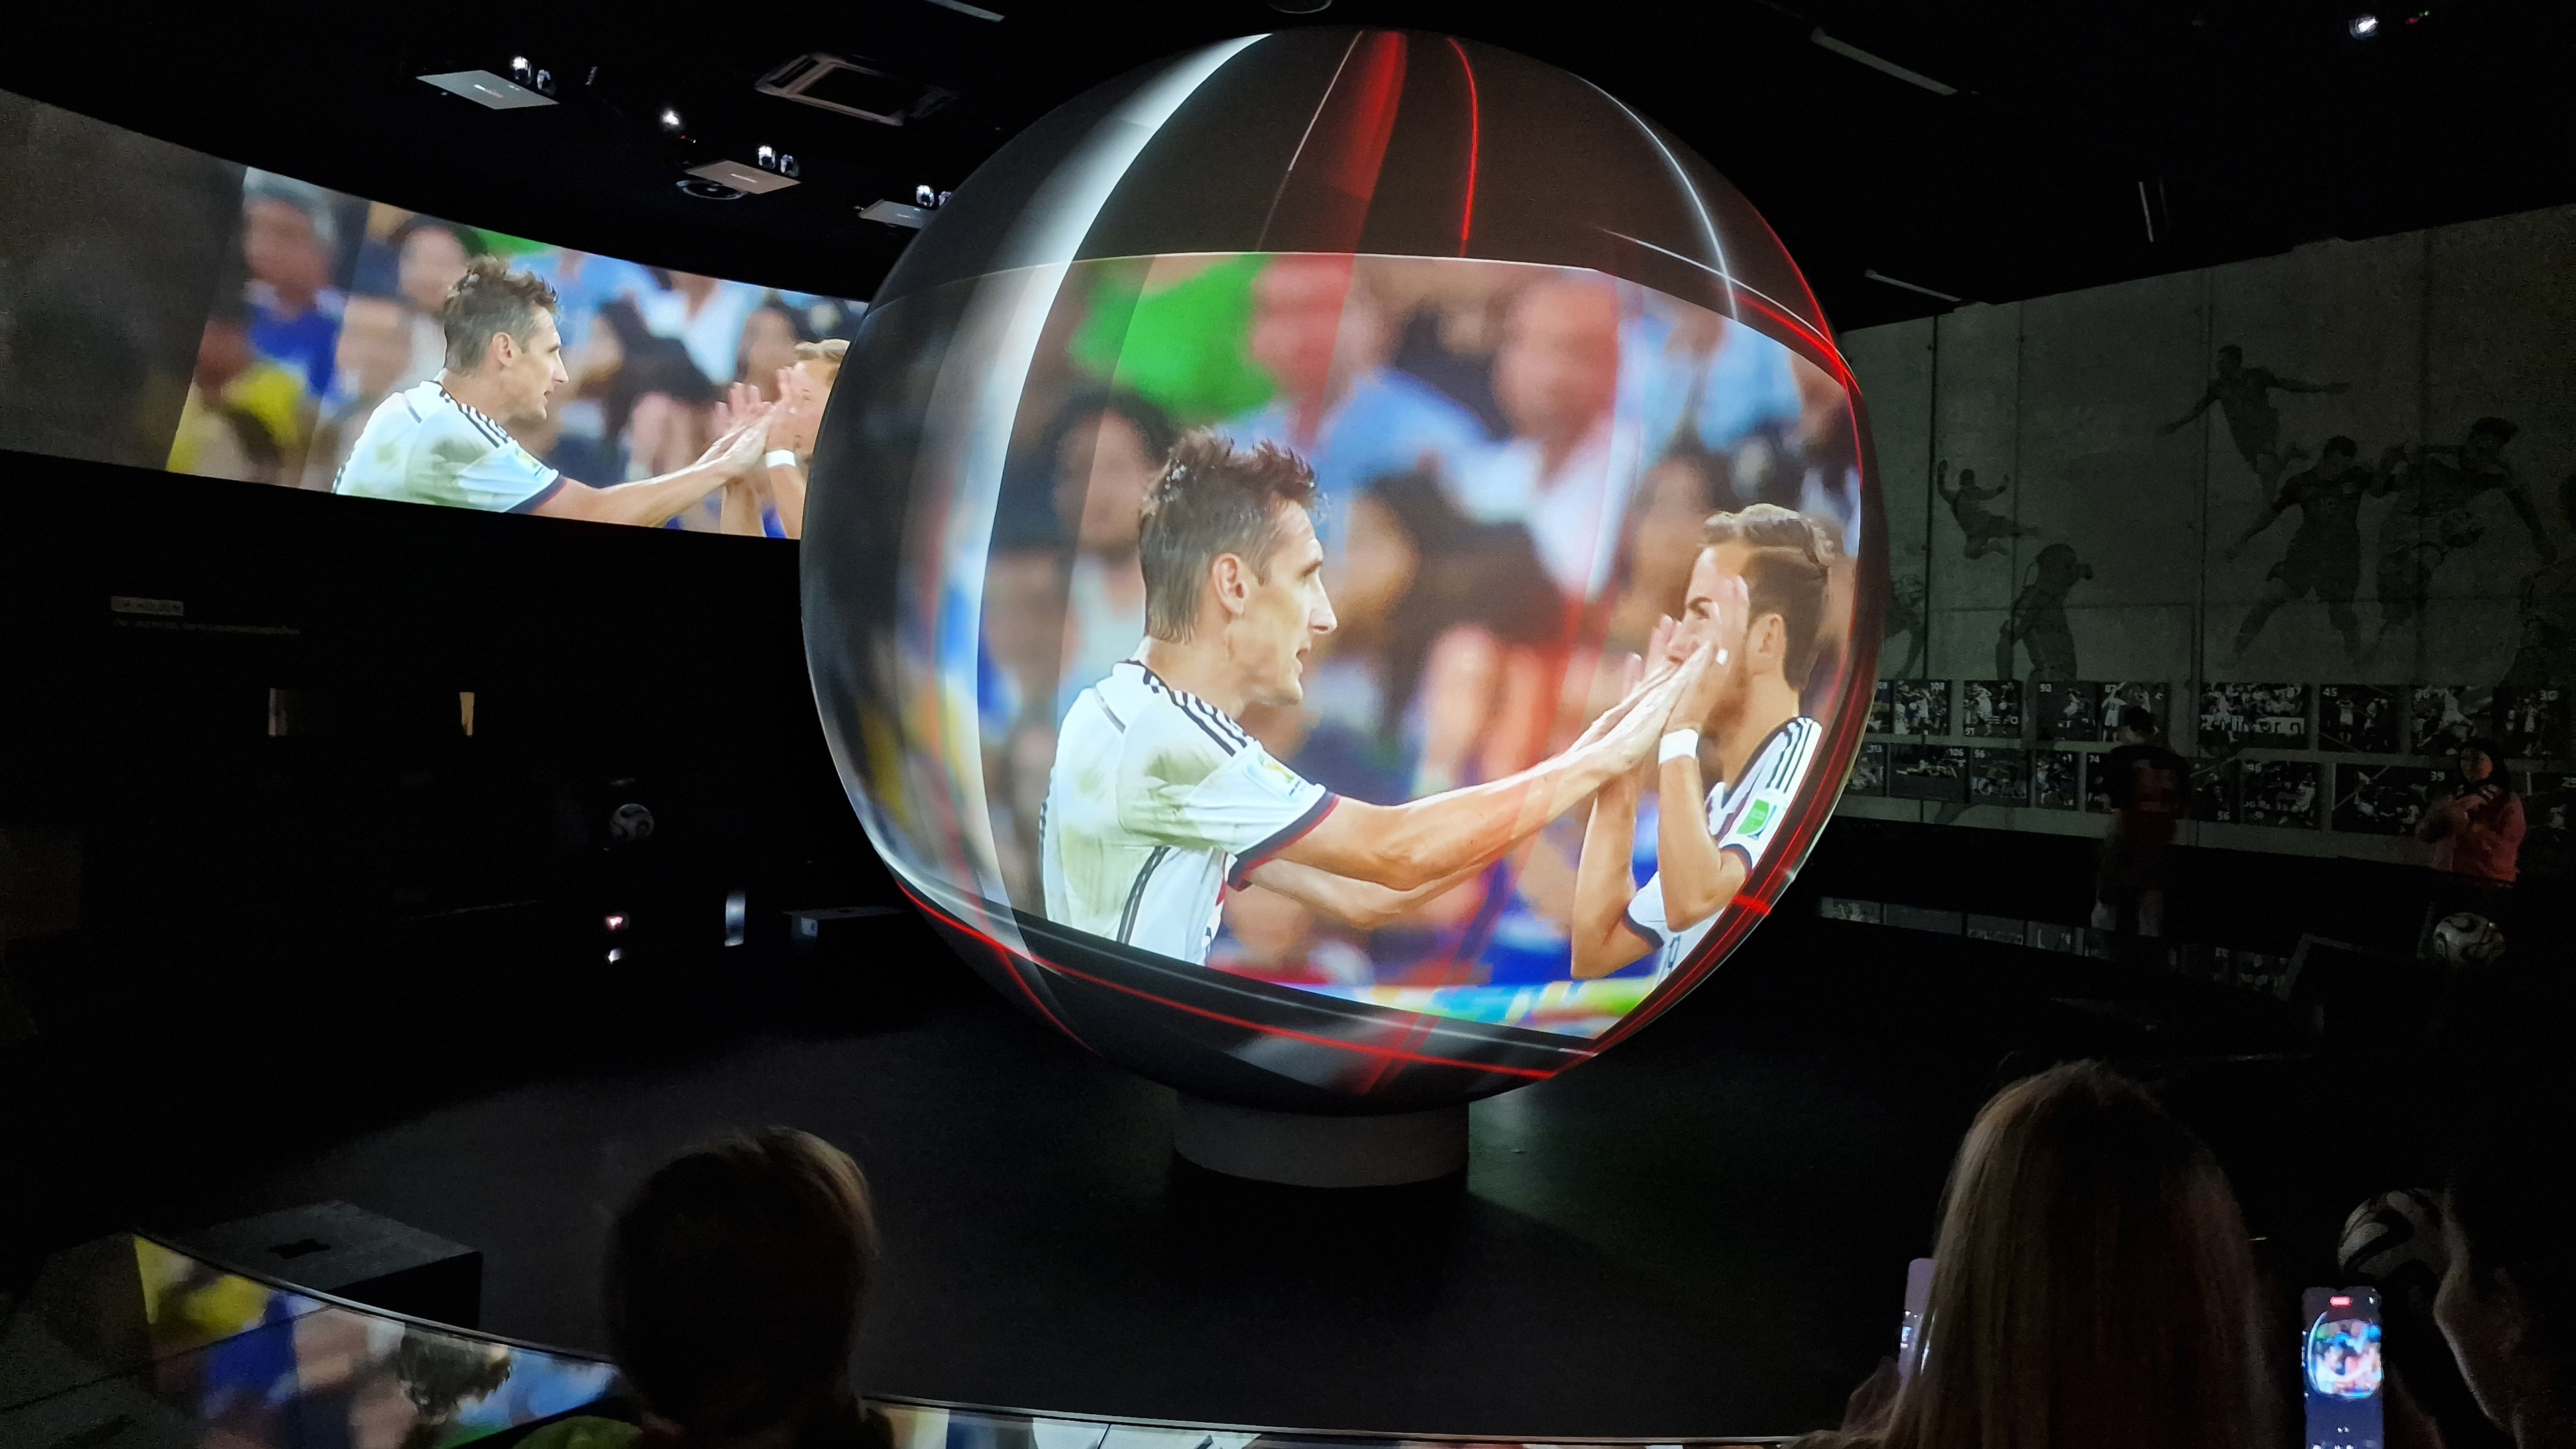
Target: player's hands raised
1631, 671
1721, 659
800, 410
738, 450
1632, 736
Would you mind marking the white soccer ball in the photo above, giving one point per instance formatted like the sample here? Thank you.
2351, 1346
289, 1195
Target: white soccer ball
2467, 939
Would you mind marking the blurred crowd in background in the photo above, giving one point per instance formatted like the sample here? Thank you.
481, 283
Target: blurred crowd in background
334, 308
1514, 464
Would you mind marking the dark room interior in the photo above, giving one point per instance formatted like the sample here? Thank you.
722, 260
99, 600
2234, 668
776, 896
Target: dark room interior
2081, 498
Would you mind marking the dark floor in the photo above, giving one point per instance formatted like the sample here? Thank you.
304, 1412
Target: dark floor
1704, 1232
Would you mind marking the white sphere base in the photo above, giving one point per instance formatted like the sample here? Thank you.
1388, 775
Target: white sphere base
1310, 1151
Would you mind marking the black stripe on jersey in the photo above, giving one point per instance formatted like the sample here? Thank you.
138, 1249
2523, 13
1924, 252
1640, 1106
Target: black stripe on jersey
1649, 934
1228, 735
1102, 700
488, 428
1213, 720
531, 503
1280, 839
1193, 717
1136, 893
1802, 734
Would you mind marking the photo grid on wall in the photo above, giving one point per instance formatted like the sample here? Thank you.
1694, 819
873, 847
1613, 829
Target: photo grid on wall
2339, 533
2383, 752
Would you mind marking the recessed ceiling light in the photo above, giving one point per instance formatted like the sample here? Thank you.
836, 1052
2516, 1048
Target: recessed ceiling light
670, 119
853, 87
2363, 26
741, 179
486, 89
895, 213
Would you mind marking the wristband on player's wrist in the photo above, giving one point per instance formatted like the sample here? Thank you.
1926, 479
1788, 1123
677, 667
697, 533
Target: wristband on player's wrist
1677, 745
778, 458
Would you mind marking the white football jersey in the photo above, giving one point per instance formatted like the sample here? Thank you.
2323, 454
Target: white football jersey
1157, 801
1745, 819
423, 446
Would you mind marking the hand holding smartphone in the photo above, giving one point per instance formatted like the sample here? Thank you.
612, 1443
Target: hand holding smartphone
2342, 1367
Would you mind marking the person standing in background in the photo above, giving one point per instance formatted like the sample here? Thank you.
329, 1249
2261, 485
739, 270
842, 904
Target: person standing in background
371, 361
2146, 790
2476, 835
287, 246
1109, 449
1571, 463
246, 416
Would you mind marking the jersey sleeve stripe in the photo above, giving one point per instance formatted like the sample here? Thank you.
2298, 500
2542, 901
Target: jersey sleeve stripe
1136, 893
1287, 835
533, 501
1210, 730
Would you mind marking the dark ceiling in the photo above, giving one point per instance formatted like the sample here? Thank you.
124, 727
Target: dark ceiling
2233, 128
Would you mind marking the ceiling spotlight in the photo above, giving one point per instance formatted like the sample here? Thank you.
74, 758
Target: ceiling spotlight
854, 86
895, 213
743, 180
518, 62
486, 89
2362, 27
670, 119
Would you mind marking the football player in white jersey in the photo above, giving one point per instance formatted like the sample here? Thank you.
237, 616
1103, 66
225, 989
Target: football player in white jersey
447, 441
1756, 602
1158, 802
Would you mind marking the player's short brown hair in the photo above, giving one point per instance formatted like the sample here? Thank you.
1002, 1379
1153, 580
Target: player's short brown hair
1212, 499
733, 1281
490, 298
1787, 572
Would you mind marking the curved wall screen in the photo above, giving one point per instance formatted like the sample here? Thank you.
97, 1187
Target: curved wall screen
163, 308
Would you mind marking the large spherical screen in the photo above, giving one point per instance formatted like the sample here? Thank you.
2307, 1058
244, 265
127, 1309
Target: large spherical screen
1279, 667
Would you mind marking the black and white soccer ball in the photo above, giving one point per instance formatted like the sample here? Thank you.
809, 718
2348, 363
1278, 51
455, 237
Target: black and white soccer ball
2394, 1240
2466, 938
630, 823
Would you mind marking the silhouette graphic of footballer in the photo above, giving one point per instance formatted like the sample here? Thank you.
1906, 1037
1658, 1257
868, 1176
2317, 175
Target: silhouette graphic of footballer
1159, 802
2244, 395
1985, 532
1756, 601
2325, 552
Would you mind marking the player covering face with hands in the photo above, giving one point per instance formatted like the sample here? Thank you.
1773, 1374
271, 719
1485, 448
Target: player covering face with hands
1755, 602
1158, 801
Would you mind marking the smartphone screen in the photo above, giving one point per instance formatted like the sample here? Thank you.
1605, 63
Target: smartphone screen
2341, 1367
1914, 1338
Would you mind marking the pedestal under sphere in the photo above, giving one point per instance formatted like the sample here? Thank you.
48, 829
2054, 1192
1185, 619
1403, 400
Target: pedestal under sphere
1554, 381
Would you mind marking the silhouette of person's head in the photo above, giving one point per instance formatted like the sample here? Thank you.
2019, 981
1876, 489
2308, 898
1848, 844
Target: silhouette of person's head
733, 1284
2504, 1298
2231, 358
2094, 1284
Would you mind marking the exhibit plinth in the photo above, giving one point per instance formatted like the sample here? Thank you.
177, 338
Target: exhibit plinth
1311, 1151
